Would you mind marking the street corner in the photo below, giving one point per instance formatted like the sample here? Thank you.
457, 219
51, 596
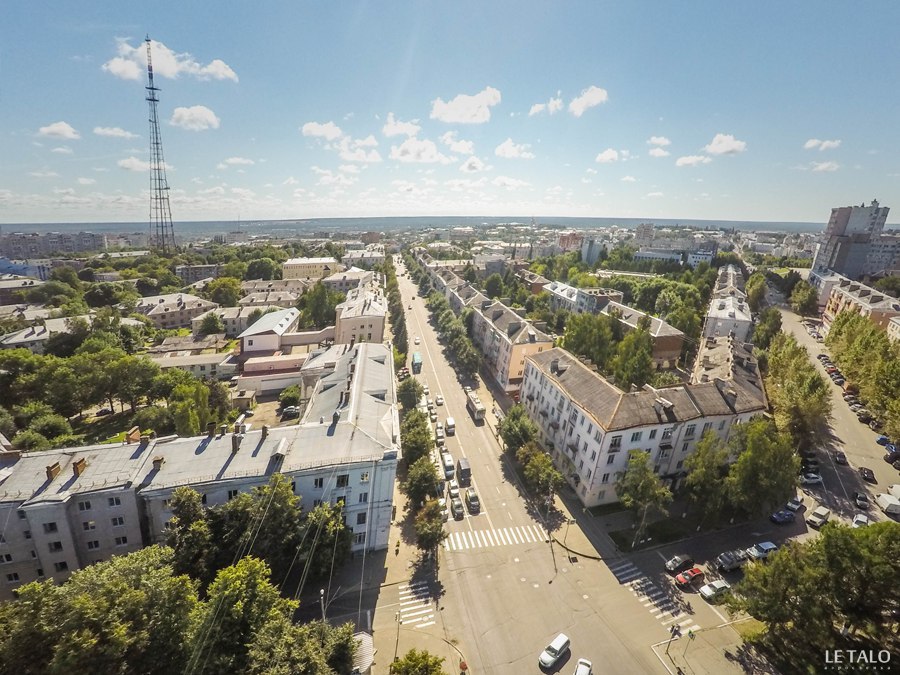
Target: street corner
718, 651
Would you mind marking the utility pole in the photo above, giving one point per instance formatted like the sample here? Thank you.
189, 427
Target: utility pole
322, 602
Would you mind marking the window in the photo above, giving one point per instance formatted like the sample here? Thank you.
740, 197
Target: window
689, 430
636, 436
33, 553
598, 436
601, 494
40, 571
604, 478
680, 464
61, 566
27, 534
610, 459
114, 501
6, 557
364, 477
656, 468
232, 494
12, 578
667, 434
203, 498
684, 448
590, 428
359, 538
121, 541
652, 434
580, 464
84, 506
363, 497
707, 427
89, 525
343, 480
93, 545
361, 518
55, 546
319, 483
721, 425
118, 521
593, 455
317, 502
50, 528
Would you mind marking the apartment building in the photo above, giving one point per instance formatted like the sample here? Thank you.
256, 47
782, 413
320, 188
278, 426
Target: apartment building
580, 300
588, 425
729, 315
38, 245
310, 268
214, 366
343, 282
190, 274
298, 286
282, 299
13, 287
893, 329
65, 509
173, 310
846, 243
265, 334
369, 256
730, 283
34, 338
235, 319
361, 316
852, 296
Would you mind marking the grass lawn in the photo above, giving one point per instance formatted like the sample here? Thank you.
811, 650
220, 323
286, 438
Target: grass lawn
108, 429
658, 532
749, 629
605, 509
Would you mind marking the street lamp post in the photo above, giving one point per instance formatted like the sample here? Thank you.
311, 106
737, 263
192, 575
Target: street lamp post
322, 602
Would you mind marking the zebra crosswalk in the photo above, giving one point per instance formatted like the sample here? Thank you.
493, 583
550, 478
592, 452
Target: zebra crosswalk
656, 601
416, 605
502, 536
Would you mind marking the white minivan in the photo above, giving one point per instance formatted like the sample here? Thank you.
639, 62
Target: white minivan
450, 426
554, 651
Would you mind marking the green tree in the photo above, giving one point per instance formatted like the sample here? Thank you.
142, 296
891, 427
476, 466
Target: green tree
804, 298
706, 468
30, 440
51, 426
429, 526
262, 268
493, 286
154, 418
633, 363
765, 473
235, 269
409, 392
61, 386
7, 423
756, 291
641, 490
516, 429
767, 327
415, 436
189, 535
212, 324
421, 481
327, 541
416, 662
187, 423
134, 376
317, 306
542, 478
282, 647
66, 275
290, 396
224, 291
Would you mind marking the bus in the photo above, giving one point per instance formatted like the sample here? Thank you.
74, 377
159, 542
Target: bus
474, 406
417, 362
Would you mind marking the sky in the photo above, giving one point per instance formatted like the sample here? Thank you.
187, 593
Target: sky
715, 110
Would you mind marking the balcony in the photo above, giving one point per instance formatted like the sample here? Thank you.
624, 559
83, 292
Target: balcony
554, 424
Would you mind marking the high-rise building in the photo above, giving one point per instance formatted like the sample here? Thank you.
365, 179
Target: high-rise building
847, 243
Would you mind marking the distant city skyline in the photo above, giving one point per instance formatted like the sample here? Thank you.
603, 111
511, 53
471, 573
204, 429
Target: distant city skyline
585, 109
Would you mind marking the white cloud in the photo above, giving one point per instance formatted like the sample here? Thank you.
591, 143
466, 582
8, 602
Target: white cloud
290, 180
114, 132
654, 194
195, 118
349, 168
328, 177
64, 191
419, 150
243, 193
131, 63
134, 164
62, 150
404, 186
589, 98
235, 161
86, 181
825, 166
466, 109
607, 156
43, 174
472, 165
59, 130
814, 143
660, 141
658, 152
554, 105
509, 183
462, 147
329, 130
511, 150
218, 190
354, 150
591, 170
394, 127
460, 184
628, 179
725, 144
692, 160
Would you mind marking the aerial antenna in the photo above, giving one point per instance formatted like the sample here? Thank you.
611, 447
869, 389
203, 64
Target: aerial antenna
162, 232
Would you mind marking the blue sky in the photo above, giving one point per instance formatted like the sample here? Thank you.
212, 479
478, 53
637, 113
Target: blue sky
735, 111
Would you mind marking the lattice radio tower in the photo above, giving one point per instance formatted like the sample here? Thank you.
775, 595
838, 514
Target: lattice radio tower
162, 233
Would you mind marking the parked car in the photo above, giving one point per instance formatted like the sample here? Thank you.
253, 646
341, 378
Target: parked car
808, 453
860, 520
838, 380
892, 457
882, 440
864, 417
689, 576
794, 503
840, 457
439, 400
290, 412
678, 563
472, 501
861, 499
875, 425
416, 340
103, 412
810, 465
731, 560
432, 415
456, 507
712, 591
818, 517
830, 369
425, 390
783, 517
762, 550
453, 488
552, 652
810, 479
856, 407
867, 474
583, 667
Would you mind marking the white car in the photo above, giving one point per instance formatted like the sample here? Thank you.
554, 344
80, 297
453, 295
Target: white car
860, 520
811, 479
795, 503
417, 340
453, 488
583, 667
425, 389
439, 400
762, 550
714, 589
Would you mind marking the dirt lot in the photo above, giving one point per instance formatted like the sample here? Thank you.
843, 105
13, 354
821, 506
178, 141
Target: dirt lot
266, 412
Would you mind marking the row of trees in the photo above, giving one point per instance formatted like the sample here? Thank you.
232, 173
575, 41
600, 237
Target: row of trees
396, 314
138, 614
868, 359
519, 434
452, 329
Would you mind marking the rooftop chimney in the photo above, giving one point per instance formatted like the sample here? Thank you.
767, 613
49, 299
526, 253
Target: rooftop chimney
265, 431
78, 466
211, 429
236, 439
336, 417
53, 471
158, 462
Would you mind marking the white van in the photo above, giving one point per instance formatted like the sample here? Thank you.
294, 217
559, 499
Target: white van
889, 504
554, 651
450, 426
449, 467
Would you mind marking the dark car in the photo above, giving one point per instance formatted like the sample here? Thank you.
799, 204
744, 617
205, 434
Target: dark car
861, 499
103, 412
839, 381
882, 440
875, 425
840, 457
864, 417
810, 465
679, 563
456, 508
808, 454
783, 517
867, 474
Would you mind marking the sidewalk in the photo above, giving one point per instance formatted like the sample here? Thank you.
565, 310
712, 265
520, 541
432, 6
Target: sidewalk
713, 651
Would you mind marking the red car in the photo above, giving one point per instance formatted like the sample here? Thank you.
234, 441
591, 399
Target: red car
688, 577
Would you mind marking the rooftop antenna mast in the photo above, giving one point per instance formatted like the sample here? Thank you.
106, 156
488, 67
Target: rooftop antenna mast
162, 232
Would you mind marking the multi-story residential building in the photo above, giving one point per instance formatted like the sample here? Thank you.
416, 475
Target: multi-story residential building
643, 234
269, 298
298, 286
588, 425
369, 256
694, 258
361, 316
729, 315
215, 366
852, 296
591, 248
730, 283
190, 274
13, 286
265, 334
37, 245
310, 268
173, 310
235, 319
847, 241
666, 340
664, 255
34, 338
580, 300
65, 509
893, 329
233, 237
342, 282
534, 282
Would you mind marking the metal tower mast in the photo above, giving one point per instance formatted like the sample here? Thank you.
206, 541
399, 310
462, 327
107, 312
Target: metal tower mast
162, 233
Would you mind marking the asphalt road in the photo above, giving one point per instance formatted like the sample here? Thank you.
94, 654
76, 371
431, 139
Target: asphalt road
503, 591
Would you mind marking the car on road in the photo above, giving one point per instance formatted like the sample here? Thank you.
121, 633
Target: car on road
583, 667
860, 520
552, 652
690, 576
875, 425
467, 389
453, 488
783, 517
861, 499
840, 457
472, 501
892, 457
103, 412
856, 407
839, 381
731, 560
883, 440
432, 415
762, 550
712, 591
678, 563
831, 369
425, 390
810, 465
867, 474
794, 503
445, 512
810, 479
822, 356
456, 508
864, 417
417, 340
818, 517
439, 400
410, 307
